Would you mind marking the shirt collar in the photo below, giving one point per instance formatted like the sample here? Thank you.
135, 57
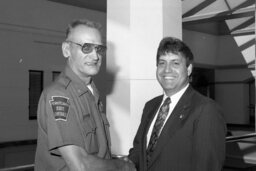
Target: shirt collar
177, 96
81, 87
71, 75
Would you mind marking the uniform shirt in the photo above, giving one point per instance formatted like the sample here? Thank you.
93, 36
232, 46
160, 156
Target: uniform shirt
69, 114
174, 100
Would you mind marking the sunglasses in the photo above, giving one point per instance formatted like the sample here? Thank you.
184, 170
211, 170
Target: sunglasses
88, 48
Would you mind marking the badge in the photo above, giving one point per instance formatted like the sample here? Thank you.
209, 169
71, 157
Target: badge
60, 107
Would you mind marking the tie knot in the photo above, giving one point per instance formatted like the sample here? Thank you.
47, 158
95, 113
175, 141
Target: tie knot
167, 100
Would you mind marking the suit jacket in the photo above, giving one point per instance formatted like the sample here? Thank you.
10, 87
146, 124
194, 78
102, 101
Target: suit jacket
193, 138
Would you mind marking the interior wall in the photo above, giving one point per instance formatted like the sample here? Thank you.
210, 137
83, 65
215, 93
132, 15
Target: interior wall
31, 32
242, 46
134, 31
227, 56
203, 46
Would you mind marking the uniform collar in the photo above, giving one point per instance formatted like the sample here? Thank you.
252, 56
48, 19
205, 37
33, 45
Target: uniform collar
81, 87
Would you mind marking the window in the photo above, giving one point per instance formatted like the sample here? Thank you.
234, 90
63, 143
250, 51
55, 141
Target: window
35, 90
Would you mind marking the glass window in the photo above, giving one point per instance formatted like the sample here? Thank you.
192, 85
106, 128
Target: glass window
35, 90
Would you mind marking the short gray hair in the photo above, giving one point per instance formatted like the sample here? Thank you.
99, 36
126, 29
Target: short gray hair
84, 22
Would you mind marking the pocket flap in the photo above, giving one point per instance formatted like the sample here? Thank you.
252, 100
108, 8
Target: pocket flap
89, 124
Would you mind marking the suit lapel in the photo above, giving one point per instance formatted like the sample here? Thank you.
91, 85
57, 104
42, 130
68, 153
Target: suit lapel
176, 120
150, 112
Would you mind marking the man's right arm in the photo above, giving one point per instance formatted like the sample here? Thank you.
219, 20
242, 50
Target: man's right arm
77, 159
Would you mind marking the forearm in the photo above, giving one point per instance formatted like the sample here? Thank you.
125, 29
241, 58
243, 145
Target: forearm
94, 163
78, 160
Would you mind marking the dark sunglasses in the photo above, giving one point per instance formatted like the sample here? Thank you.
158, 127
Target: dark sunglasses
88, 47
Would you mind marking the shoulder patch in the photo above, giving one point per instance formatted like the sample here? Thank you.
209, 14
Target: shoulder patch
60, 107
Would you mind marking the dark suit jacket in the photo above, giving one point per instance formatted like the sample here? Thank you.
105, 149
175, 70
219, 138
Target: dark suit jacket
193, 138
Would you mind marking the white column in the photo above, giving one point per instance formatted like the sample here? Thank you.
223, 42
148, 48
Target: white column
134, 29
254, 74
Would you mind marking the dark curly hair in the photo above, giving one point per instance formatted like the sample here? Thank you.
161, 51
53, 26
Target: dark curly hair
175, 46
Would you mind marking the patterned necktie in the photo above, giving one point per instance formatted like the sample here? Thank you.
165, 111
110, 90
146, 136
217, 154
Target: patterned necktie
162, 114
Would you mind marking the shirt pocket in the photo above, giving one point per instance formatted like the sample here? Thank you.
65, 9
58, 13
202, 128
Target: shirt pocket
89, 126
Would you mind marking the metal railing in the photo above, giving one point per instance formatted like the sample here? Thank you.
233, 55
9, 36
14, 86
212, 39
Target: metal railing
31, 166
19, 168
239, 137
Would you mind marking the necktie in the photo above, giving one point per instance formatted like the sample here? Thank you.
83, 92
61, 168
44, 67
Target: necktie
162, 114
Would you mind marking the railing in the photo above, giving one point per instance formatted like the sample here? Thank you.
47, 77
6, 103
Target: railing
31, 166
28, 167
19, 168
240, 137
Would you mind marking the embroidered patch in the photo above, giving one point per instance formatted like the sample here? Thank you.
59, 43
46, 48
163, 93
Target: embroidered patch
60, 107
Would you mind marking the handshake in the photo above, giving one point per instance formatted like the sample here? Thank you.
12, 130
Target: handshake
124, 163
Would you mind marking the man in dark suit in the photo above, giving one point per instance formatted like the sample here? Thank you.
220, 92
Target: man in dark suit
187, 131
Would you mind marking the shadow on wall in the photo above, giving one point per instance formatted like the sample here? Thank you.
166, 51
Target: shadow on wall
105, 82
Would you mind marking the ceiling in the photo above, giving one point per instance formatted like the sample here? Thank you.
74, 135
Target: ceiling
98, 5
227, 17
219, 17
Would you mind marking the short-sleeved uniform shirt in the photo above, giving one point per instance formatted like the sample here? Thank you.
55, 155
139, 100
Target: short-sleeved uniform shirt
70, 114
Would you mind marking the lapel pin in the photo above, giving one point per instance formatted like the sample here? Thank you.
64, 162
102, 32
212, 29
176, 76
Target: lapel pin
181, 116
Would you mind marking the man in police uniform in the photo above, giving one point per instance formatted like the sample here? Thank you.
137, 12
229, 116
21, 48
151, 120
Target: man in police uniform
73, 131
